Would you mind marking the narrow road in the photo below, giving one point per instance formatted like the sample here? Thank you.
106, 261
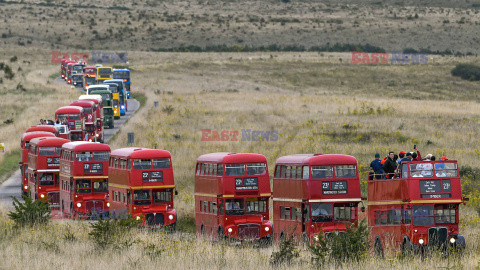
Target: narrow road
12, 186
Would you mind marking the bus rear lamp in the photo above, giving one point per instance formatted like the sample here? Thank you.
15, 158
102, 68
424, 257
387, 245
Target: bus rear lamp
230, 230
452, 240
170, 217
79, 205
421, 241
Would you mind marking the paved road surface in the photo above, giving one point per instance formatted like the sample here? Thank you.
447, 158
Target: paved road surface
11, 187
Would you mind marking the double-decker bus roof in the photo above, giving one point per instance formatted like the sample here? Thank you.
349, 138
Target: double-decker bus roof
121, 69
113, 81
140, 153
46, 128
317, 159
69, 110
48, 141
98, 85
31, 135
232, 158
82, 146
95, 98
83, 103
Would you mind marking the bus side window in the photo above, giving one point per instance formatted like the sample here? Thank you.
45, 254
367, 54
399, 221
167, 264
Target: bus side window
407, 216
283, 172
306, 172
213, 208
298, 214
129, 197
285, 213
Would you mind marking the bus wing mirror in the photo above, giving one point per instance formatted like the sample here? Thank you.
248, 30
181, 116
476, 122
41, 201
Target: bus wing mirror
363, 209
176, 192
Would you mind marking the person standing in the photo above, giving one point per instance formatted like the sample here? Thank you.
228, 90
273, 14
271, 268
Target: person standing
377, 167
390, 165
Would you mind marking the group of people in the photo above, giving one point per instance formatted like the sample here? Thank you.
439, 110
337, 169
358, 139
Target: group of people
387, 167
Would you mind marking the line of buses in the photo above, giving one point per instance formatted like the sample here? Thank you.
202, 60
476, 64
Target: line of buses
312, 195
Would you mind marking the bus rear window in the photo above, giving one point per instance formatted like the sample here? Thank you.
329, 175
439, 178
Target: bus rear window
162, 163
234, 169
84, 156
320, 172
139, 164
346, 171
47, 151
256, 169
101, 156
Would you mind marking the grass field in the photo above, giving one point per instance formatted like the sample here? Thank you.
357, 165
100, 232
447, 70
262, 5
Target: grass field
315, 101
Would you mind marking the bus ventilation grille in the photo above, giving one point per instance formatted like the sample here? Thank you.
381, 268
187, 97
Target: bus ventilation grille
155, 219
437, 236
249, 231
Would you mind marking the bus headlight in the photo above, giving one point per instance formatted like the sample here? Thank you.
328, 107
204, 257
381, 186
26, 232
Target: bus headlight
25, 187
97, 135
170, 217
316, 238
79, 205
267, 229
108, 204
123, 107
421, 241
138, 217
452, 240
230, 230
43, 196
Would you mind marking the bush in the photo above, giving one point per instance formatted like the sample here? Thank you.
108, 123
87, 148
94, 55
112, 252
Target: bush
112, 232
288, 251
467, 72
30, 212
351, 245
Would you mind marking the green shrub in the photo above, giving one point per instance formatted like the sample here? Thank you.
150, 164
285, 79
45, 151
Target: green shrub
112, 232
467, 72
351, 245
287, 252
30, 212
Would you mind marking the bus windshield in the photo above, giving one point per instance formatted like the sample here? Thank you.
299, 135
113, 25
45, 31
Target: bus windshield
446, 169
322, 212
234, 169
320, 172
162, 196
256, 205
74, 117
256, 169
445, 214
104, 71
423, 215
141, 197
90, 70
121, 74
47, 151
234, 207
87, 110
84, 186
45, 179
100, 186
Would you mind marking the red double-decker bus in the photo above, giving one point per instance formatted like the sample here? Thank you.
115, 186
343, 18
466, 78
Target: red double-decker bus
141, 183
97, 99
232, 192
417, 209
74, 117
84, 179
24, 145
315, 195
63, 67
43, 169
90, 115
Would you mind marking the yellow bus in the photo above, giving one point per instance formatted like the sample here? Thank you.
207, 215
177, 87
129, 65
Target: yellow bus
104, 73
116, 101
